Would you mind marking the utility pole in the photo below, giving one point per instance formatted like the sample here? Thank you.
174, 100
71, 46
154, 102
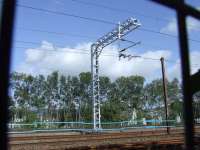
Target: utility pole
164, 83
96, 48
165, 92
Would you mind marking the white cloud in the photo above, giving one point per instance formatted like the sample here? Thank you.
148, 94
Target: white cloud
175, 70
47, 58
195, 62
147, 68
171, 27
71, 61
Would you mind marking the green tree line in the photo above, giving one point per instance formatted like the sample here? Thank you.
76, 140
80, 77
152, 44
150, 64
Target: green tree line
57, 97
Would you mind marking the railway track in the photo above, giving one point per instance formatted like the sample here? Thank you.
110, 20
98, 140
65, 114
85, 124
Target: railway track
122, 140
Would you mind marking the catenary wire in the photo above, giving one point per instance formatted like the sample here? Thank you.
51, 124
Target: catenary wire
119, 10
65, 14
56, 33
87, 51
97, 20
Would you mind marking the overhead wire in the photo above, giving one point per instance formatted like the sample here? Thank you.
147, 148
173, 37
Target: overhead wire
165, 34
89, 19
119, 10
57, 45
56, 33
38, 43
101, 6
69, 50
92, 37
87, 51
92, 19
65, 14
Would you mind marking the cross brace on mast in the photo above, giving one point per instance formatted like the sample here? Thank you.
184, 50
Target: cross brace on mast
96, 49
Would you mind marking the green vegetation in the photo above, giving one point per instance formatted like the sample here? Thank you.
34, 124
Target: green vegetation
67, 98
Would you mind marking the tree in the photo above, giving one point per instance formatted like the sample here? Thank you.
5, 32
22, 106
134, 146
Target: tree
12, 109
153, 103
154, 100
124, 95
68, 98
52, 95
175, 99
85, 101
63, 98
22, 86
39, 89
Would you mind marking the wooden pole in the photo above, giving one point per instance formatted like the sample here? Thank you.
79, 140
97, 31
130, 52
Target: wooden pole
165, 92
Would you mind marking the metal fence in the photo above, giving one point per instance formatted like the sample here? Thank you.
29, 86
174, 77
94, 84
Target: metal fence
80, 126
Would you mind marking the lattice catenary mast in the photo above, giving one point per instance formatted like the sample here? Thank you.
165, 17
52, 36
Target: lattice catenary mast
96, 49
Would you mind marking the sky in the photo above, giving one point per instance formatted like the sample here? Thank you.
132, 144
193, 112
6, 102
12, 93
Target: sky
45, 42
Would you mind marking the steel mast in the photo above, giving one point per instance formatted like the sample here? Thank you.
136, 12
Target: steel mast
96, 49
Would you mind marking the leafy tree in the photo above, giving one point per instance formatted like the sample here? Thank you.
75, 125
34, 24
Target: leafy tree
124, 95
63, 98
52, 95
85, 97
68, 98
12, 109
38, 92
175, 99
22, 86
153, 98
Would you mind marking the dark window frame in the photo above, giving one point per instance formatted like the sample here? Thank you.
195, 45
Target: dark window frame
190, 83
6, 29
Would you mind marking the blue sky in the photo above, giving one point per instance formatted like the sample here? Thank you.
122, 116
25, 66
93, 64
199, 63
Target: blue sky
26, 57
